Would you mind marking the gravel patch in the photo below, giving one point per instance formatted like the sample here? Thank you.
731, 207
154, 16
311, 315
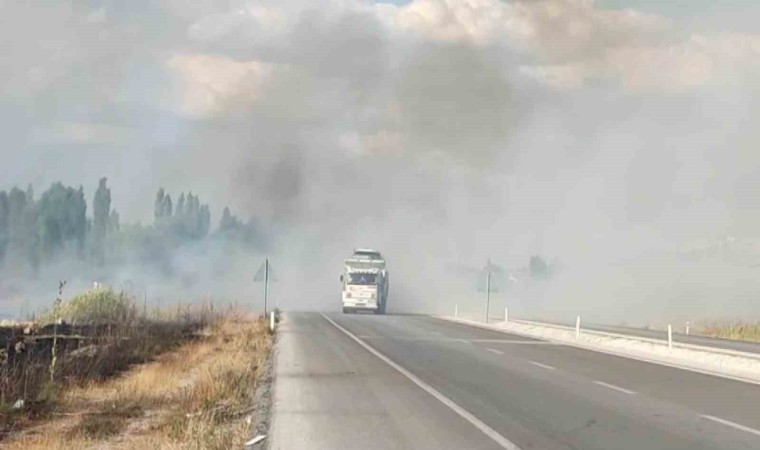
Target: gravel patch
262, 403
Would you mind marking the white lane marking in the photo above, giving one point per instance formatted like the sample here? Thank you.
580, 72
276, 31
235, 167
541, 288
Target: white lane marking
545, 366
463, 341
613, 387
442, 338
495, 351
480, 425
514, 341
732, 424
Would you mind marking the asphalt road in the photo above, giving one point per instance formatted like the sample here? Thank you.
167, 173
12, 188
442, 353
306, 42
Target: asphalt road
393, 382
693, 339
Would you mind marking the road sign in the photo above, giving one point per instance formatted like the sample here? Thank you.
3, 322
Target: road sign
266, 275
490, 276
487, 282
264, 272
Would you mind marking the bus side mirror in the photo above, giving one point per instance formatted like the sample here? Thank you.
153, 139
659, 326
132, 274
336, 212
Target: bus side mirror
341, 278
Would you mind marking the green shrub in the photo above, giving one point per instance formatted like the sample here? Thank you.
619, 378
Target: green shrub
96, 306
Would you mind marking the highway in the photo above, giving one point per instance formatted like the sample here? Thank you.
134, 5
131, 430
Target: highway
414, 382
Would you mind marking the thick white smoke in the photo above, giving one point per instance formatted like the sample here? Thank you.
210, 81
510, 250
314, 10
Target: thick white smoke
442, 132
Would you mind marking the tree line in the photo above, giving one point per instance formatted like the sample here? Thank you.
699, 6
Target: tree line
35, 231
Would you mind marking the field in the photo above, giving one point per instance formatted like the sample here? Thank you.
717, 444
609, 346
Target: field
84, 355
742, 331
181, 382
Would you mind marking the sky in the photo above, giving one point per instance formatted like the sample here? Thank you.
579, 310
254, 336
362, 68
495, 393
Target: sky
672, 8
592, 132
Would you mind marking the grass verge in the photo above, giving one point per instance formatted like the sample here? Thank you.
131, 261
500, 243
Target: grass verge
740, 331
197, 397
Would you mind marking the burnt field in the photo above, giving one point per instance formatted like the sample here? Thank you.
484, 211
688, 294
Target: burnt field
19, 343
31, 377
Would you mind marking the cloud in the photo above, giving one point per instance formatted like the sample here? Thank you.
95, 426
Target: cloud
571, 43
36, 63
679, 66
246, 23
85, 133
208, 83
556, 29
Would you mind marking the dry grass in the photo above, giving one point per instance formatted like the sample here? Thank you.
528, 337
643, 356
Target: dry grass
103, 354
197, 397
740, 331
103, 335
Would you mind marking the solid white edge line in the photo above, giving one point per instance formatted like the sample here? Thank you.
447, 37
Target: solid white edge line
480, 425
732, 424
607, 352
615, 388
493, 350
545, 366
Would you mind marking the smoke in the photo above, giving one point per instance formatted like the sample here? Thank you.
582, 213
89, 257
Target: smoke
442, 132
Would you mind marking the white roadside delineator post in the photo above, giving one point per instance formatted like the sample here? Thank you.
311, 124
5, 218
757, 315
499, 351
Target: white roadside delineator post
456, 311
670, 337
255, 440
271, 321
506, 315
578, 327
687, 327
